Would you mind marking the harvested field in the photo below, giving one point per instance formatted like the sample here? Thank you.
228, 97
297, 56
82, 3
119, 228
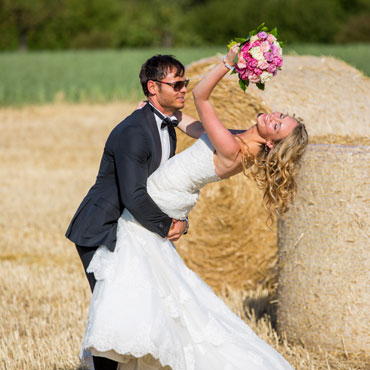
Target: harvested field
50, 157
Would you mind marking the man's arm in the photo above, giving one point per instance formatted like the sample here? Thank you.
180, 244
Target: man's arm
131, 153
235, 132
193, 127
189, 125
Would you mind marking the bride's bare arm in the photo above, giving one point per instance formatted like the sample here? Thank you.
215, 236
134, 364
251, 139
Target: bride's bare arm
222, 139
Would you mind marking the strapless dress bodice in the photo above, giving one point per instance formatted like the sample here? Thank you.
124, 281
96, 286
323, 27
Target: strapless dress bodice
175, 185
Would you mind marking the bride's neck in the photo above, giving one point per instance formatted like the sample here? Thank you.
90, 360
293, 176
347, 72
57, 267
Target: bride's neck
254, 141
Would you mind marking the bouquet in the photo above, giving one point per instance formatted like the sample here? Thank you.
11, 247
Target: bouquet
259, 57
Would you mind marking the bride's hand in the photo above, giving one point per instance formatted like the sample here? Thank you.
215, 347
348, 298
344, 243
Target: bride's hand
229, 59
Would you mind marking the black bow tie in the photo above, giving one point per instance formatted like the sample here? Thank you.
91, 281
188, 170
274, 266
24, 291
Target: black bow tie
167, 121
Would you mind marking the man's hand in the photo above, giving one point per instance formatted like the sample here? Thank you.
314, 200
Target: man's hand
177, 229
141, 104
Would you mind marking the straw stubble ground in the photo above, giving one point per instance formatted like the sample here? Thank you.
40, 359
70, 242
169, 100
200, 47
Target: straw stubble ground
50, 157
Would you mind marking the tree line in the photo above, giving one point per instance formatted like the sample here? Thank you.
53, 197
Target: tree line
98, 24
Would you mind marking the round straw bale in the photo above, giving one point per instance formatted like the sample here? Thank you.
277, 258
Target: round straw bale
324, 255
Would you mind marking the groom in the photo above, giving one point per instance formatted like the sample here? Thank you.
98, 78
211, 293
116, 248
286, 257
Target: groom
134, 150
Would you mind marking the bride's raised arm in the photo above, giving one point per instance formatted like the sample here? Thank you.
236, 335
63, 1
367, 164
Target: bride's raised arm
222, 139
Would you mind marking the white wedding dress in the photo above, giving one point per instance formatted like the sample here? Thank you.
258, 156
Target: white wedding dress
148, 310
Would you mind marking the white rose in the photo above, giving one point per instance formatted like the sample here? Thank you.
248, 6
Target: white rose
253, 39
265, 76
256, 53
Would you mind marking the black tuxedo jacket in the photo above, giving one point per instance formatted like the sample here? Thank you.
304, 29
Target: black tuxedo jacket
131, 154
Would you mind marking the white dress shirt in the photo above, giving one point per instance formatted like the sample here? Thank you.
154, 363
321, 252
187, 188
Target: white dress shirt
164, 136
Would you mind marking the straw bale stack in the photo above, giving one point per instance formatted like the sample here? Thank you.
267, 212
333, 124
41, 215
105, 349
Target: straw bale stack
322, 280
324, 254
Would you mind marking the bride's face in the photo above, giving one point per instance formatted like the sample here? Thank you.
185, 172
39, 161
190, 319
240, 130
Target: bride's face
275, 126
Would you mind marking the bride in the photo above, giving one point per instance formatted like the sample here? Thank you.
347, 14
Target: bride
148, 310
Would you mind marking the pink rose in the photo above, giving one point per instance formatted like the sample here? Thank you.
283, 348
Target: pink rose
271, 38
269, 56
278, 61
246, 54
238, 70
254, 78
256, 44
262, 64
265, 46
271, 68
273, 49
262, 35
252, 64
257, 71
278, 48
245, 74
246, 46
241, 58
241, 65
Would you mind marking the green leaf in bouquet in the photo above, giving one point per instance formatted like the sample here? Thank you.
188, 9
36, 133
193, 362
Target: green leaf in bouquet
265, 29
236, 59
242, 84
240, 39
259, 28
281, 43
260, 86
274, 32
233, 72
230, 44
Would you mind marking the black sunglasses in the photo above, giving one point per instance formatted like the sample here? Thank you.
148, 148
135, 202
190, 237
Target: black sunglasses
177, 86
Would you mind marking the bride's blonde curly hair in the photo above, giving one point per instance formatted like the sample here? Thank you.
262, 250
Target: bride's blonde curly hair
275, 170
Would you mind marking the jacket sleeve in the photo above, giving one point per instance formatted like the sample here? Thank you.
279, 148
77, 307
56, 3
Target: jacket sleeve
131, 153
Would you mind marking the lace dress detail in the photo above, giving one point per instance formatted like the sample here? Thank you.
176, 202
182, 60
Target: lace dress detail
149, 310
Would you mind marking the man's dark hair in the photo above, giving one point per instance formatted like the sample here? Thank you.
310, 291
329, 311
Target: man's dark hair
157, 68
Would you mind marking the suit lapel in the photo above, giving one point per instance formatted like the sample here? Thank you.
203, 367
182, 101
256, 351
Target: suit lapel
172, 133
149, 115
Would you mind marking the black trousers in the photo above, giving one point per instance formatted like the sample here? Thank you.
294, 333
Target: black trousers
86, 254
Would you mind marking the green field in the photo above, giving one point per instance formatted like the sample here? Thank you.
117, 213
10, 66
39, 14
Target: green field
98, 76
